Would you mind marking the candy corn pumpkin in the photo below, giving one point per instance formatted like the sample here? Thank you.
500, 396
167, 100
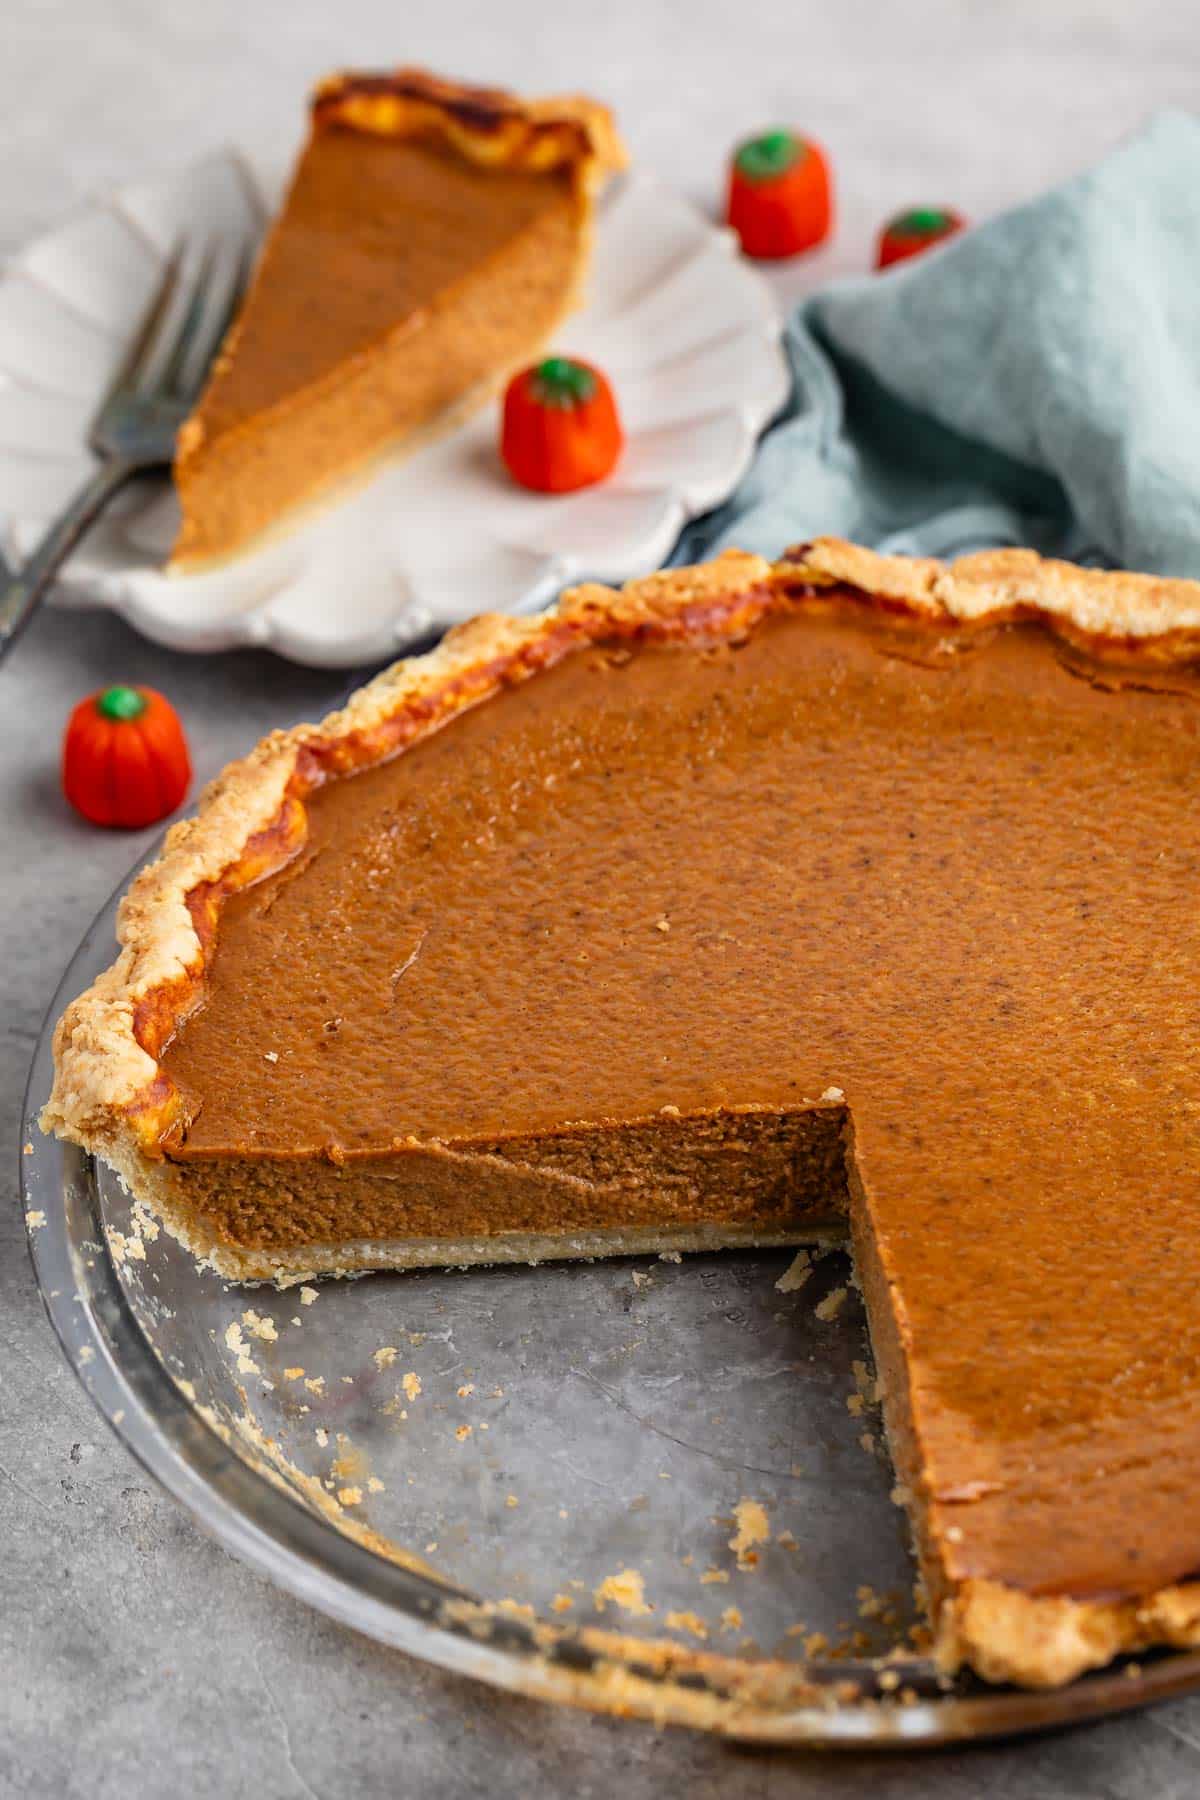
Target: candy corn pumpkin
780, 195
561, 429
909, 233
125, 759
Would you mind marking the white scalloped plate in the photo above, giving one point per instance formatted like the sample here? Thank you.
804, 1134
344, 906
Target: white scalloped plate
687, 331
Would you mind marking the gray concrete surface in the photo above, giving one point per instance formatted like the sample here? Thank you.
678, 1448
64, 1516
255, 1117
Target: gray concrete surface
136, 1659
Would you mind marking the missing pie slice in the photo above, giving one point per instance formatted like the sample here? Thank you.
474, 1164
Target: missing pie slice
432, 239
745, 900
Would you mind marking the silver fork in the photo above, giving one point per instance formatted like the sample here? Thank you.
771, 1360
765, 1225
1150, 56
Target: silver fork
136, 426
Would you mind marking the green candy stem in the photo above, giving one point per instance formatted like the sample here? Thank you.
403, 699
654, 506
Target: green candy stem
561, 382
922, 221
122, 703
763, 158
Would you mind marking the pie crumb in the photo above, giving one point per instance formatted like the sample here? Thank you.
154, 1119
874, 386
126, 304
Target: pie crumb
234, 1341
411, 1385
385, 1356
731, 1619
374, 1485
292, 1374
870, 1605
308, 1295
796, 1273
711, 1575
350, 1496
463, 1433
321, 1435
35, 1218
259, 1327
626, 1589
687, 1621
832, 1304
466, 1390
315, 1384
563, 1603
511, 1500
750, 1517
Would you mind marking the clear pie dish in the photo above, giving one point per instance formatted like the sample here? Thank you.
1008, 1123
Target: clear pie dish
647, 1487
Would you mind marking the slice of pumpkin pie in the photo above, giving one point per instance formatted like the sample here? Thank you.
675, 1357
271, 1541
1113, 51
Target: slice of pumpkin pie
432, 239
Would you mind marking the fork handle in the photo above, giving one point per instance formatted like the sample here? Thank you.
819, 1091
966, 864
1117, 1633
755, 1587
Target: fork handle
24, 589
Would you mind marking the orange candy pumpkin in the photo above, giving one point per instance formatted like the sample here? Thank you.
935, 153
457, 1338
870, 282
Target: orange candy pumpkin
780, 195
560, 429
125, 759
913, 232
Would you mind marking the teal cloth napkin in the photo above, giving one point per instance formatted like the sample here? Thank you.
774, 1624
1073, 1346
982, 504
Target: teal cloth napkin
1035, 381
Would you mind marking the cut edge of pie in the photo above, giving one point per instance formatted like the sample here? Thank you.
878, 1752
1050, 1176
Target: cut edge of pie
112, 1096
569, 139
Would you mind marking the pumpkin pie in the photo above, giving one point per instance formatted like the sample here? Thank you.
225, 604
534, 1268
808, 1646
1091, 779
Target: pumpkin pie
433, 237
750, 901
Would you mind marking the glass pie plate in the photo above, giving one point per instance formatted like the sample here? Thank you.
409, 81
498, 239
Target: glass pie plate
647, 1487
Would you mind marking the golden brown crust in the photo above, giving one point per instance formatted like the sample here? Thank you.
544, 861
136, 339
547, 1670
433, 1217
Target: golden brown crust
1046, 1640
1157, 615
487, 125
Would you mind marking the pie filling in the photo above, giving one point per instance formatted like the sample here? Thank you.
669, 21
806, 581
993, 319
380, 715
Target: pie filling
623, 951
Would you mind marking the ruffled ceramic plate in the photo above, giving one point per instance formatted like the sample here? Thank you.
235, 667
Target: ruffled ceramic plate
687, 331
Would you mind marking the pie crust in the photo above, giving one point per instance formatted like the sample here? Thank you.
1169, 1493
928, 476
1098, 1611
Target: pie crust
112, 1096
487, 125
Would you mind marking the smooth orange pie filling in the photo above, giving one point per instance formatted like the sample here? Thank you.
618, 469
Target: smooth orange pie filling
843, 889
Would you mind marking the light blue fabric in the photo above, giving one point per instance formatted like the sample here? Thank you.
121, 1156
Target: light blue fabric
1035, 381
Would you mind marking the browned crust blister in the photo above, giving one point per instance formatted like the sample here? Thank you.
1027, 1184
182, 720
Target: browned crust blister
111, 1095
486, 125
